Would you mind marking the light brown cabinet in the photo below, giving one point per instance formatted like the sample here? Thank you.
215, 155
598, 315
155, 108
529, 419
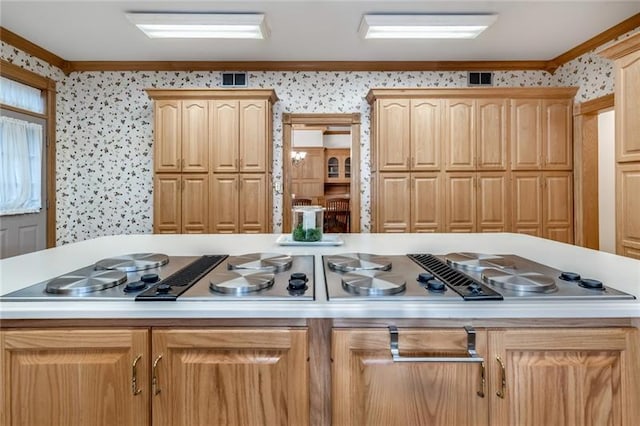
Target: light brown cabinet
140, 377
75, 377
230, 376
533, 376
337, 165
240, 134
422, 191
207, 132
626, 56
180, 202
473, 139
181, 136
477, 202
236, 203
541, 136
543, 204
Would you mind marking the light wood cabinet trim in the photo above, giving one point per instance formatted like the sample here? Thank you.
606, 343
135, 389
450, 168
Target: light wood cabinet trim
233, 94
474, 93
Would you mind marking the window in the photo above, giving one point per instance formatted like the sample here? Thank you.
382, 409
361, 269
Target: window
21, 96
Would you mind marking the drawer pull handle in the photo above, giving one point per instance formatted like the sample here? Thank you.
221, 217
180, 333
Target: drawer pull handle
134, 376
483, 381
471, 349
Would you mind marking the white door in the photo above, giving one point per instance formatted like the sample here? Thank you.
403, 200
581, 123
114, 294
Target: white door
25, 233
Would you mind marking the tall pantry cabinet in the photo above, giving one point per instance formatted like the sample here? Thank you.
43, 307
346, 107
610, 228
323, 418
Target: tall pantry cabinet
626, 55
212, 160
473, 160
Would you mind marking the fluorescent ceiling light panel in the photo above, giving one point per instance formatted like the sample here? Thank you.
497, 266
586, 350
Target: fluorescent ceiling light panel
200, 25
424, 26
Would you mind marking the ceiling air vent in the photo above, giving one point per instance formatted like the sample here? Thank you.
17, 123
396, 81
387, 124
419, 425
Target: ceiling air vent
475, 78
234, 79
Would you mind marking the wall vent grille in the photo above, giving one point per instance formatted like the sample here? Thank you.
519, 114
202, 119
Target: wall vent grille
478, 78
234, 79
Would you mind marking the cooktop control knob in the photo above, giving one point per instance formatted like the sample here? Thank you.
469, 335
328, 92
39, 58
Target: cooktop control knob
297, 287
134, 286
436, 286
591, 284
299, 276
163, 288
424, 278
570, 276
150, 278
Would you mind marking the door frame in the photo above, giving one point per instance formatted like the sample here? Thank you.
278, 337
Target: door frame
585, 172
48, 88
347, 119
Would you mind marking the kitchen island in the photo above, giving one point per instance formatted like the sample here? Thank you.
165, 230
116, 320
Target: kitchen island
318, 361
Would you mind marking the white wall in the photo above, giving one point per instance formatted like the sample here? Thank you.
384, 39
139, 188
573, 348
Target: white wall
337, 141
306, 138
606, 181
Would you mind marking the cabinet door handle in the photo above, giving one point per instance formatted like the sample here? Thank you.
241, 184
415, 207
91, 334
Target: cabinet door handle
483, 380
503, 379
134, 376
471, 349
154, 380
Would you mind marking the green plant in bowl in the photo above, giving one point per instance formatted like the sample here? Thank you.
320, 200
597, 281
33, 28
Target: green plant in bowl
307, 235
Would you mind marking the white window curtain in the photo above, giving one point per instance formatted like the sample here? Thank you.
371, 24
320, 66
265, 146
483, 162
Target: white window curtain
20, 166
21, 96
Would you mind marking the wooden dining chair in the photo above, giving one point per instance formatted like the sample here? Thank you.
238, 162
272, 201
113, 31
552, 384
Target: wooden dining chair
337, 214
301, 201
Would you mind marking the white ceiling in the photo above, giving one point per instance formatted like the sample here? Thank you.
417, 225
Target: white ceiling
310, 30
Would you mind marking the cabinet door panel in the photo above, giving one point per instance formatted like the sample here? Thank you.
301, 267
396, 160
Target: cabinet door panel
224, 135
558, 140
426, 202
231, 376
224, 203
74, 377
370, 389
460, 197
565, 377
459, 134
393, 134
395, 193
167, 204
492, 134
167, 153
425, 134
628, 108
493, 202
195, 136
195, 208
558, 206
252, 204
253, 136
627, 208
527, 203
526, 134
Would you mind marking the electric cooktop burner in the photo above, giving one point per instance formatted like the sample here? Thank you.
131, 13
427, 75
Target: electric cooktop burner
478, 261
85, 281
520, 281
261, 261
133, 262
373, 283
358, 262
241, 281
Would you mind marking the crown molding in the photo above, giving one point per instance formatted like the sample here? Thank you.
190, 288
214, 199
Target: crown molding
33, 49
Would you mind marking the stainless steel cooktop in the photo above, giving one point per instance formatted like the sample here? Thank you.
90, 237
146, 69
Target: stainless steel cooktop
470, 276
155, 276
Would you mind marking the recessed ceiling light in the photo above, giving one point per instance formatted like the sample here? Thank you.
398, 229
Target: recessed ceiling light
425, 26
200, 25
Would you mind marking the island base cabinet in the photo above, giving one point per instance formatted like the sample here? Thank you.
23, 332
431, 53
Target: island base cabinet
564, 377
74, 377
369, 388
230, 377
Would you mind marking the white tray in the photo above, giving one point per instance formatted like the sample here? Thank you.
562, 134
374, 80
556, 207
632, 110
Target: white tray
327, 240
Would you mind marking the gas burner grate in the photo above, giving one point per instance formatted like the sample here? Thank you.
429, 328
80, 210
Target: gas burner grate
179, 282
466, 287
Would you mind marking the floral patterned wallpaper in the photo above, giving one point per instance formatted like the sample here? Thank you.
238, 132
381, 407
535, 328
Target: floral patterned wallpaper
105, 129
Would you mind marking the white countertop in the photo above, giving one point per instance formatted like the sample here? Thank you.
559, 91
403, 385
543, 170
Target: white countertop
615, 271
